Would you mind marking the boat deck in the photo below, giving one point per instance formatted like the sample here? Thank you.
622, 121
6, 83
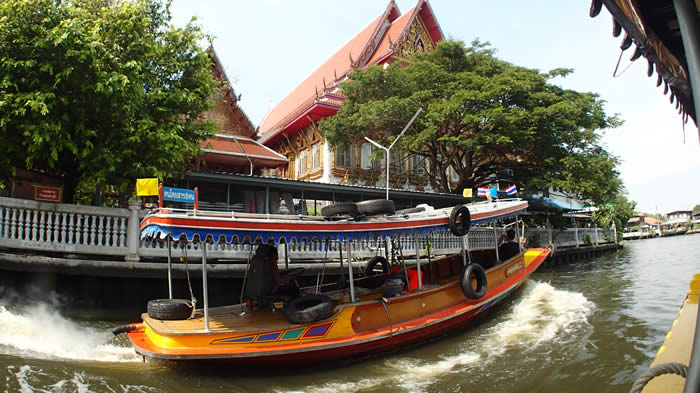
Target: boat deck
224, 319
237, 318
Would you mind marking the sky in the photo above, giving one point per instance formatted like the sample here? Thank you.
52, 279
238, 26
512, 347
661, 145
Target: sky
267, 47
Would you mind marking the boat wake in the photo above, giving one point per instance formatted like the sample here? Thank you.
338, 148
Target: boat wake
40, 331
543, 318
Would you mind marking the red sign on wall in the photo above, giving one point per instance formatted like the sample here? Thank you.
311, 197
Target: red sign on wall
47, 193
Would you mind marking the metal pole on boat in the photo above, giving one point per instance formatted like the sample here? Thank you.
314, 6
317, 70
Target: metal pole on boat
420, 273
469, 253
340, 253
464, 251
352, 284
170, 271
205, 289
495, 237
517, 233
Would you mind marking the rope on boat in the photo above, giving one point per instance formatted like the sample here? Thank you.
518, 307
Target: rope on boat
322, 275
189, 284
653, 372
384, 301
245, 277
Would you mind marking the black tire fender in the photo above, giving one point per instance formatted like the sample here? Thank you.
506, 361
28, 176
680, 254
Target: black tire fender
471, 272
372, 263
460, 220
340, 209
375, 207
308, 309
169, 309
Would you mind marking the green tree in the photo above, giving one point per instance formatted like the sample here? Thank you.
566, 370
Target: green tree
619, 211
100, 90
482, 116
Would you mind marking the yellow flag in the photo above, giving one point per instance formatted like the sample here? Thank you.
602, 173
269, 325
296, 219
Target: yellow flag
467, 193
146, 187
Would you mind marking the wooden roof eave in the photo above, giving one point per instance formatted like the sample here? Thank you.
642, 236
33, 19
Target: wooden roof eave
299, 121
671, 71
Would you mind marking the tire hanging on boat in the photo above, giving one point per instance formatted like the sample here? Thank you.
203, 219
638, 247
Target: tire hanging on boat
374, 207
372, 263
460, 220
340, 209
474, 271
308, 309
169, 309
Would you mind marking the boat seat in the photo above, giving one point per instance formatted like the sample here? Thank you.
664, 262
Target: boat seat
263, 282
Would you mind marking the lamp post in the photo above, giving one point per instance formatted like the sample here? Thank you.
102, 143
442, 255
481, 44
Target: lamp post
387, 150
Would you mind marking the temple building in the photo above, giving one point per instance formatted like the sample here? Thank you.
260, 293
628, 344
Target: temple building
233, 149
290, 128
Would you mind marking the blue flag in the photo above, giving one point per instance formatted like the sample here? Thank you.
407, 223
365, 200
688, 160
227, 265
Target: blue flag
494, 192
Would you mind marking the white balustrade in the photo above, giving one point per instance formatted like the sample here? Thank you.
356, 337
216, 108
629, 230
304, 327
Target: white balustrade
64, 228
73, 229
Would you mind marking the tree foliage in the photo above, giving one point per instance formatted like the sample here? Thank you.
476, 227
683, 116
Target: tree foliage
101, 90
482, 116
619, 211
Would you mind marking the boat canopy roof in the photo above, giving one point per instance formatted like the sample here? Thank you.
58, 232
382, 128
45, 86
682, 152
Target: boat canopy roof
236, 228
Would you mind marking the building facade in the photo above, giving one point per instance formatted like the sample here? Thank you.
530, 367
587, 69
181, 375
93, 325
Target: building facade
290, 128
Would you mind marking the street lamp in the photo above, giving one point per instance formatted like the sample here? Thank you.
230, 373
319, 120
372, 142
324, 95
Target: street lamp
387, 150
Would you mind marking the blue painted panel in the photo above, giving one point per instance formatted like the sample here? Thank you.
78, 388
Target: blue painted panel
178, 195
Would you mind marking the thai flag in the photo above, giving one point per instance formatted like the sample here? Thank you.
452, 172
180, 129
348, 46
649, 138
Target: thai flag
511, 190
482, 192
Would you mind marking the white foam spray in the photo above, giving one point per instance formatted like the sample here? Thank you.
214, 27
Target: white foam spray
32, 379
543, 315
41, 331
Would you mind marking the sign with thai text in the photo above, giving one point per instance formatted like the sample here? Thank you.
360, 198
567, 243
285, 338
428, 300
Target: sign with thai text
178, 195
47, 193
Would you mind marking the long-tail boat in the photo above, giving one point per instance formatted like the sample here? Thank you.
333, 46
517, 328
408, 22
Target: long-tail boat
402, 303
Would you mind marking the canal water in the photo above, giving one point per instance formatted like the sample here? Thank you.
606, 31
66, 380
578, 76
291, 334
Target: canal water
588, 326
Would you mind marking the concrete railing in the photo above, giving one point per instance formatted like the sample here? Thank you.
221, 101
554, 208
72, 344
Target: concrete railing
570, 237
112, 233
63, 228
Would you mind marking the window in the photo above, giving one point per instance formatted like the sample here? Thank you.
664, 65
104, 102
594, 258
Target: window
454, 176
344, 157
302, 163
315, 156
364, 155
417, 165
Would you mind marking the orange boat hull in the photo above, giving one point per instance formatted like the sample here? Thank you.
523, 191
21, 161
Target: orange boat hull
356, 329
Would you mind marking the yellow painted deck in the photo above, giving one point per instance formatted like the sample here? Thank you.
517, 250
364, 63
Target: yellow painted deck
678, 344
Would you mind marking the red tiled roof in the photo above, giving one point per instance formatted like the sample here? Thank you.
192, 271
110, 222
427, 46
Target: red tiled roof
393, 33
227, 85
370, 46
337, 65
398, 30
226, 146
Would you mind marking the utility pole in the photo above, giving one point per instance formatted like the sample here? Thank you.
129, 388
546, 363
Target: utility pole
387, 150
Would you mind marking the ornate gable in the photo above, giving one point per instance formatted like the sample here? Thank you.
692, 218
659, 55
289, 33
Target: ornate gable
417, 40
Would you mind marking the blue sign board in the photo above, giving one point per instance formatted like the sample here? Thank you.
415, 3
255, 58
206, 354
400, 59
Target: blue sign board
178, 195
